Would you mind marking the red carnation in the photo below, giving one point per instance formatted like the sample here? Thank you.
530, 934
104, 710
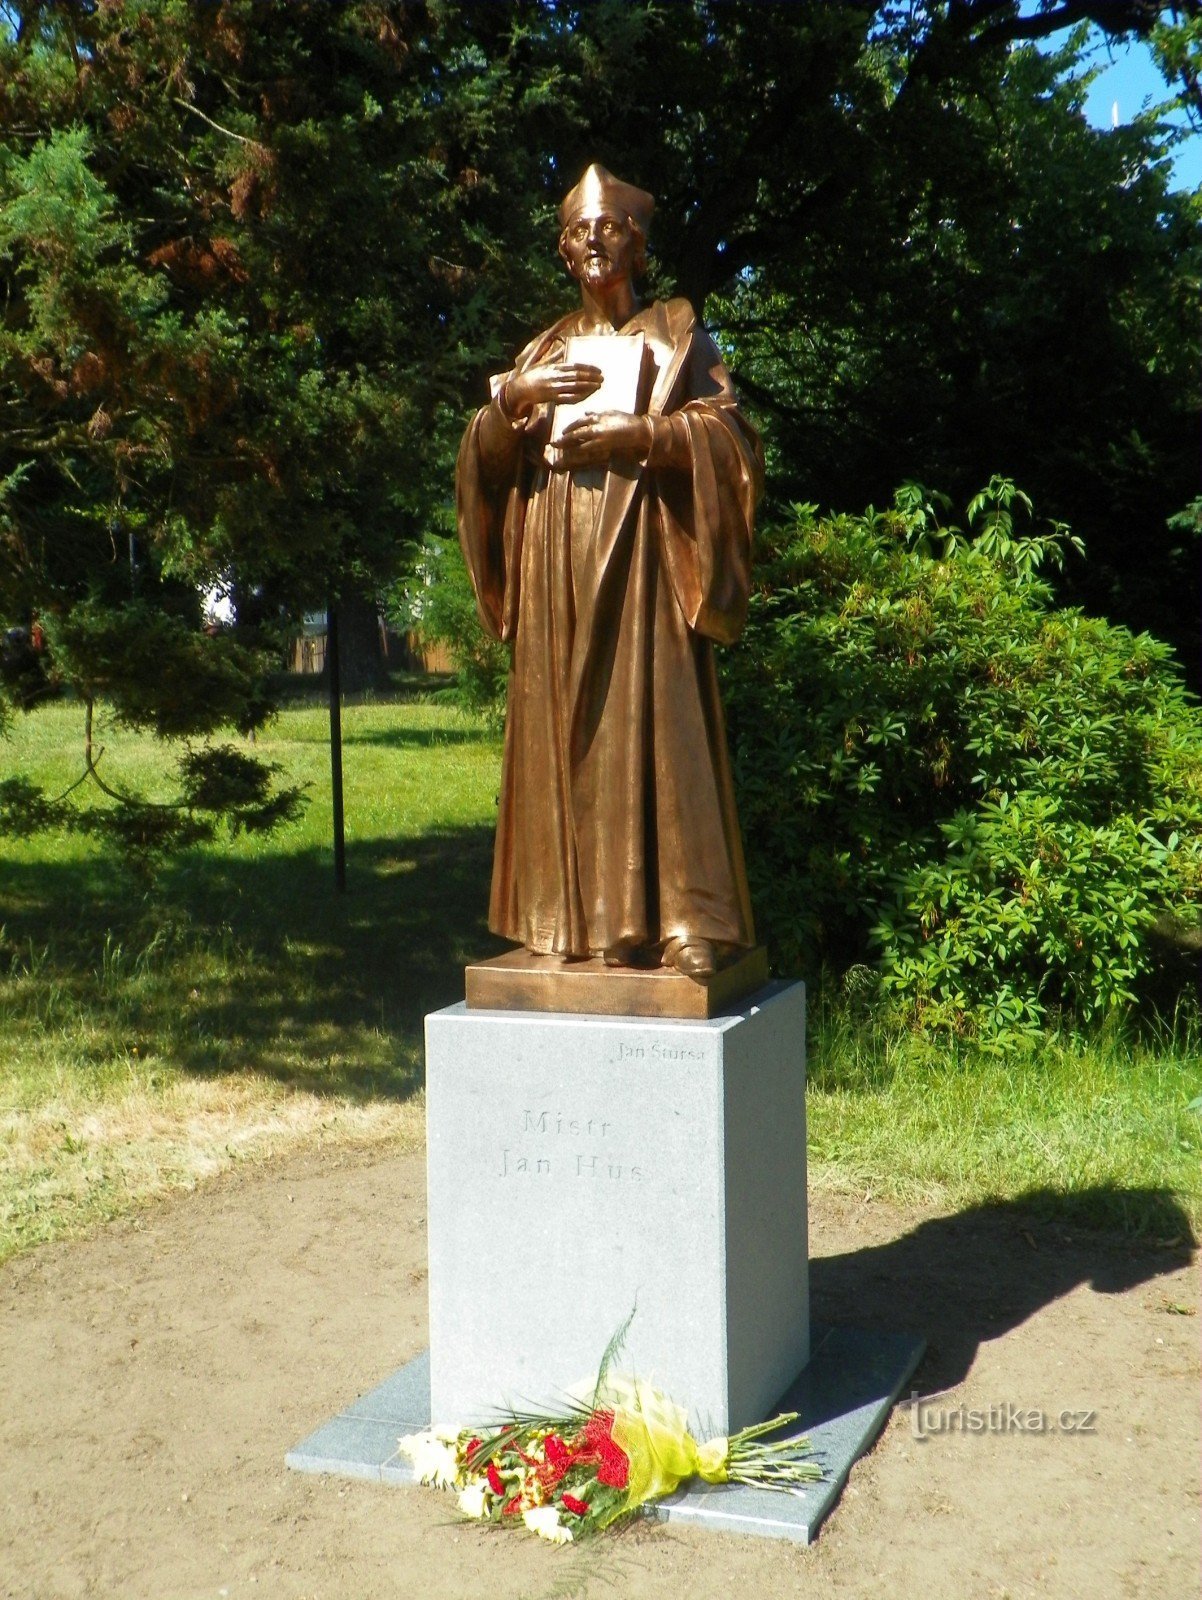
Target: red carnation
495, 1481
614, 1470
598, 1428
470, 1449
557, 1454
578, 1508
511, 1508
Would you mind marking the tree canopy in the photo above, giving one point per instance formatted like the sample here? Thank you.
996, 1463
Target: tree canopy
258, 256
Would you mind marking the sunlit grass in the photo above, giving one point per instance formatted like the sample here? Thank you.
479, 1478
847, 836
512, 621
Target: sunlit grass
241, 1008
1101, 1122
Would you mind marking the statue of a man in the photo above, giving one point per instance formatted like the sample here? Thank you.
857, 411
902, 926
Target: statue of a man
611, 561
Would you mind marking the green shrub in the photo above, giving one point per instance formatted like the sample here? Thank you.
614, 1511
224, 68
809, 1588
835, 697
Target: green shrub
996, 800
435, 600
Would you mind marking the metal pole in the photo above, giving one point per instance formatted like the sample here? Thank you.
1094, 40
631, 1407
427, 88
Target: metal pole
335, 680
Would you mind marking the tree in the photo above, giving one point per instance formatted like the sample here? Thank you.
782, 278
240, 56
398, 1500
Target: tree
941, 272
1018, 298
232, 310
258, 258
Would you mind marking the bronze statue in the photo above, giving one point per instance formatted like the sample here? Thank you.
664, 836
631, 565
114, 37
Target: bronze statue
611, 553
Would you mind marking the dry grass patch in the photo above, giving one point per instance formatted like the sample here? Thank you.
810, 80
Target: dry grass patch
65, 1165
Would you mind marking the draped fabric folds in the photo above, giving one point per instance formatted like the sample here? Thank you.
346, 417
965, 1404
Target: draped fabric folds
617, 818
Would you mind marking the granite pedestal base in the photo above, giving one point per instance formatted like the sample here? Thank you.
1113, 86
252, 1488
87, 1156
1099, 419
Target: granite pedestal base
844, 1396
581, 1167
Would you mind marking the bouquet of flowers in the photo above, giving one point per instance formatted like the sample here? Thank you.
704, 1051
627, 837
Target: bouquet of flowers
599, 1461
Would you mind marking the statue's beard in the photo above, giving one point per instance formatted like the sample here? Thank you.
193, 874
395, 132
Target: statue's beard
599, 270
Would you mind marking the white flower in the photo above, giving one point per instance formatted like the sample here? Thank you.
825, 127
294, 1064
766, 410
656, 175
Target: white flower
433, 1458
544, 1520
473, 1500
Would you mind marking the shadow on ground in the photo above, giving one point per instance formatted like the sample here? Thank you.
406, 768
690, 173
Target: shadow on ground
321, 990
964, 1279
399, 738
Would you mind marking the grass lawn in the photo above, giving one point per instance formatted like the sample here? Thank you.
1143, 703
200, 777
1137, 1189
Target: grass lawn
242, 1007
1098, 1129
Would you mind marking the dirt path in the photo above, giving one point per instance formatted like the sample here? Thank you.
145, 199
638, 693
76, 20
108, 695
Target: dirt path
154, 1374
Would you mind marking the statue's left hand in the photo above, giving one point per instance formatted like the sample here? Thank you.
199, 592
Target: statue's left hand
592, 441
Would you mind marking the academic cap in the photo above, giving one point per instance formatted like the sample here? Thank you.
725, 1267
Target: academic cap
599, 188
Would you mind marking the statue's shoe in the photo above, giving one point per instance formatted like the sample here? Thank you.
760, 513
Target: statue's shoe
695, 958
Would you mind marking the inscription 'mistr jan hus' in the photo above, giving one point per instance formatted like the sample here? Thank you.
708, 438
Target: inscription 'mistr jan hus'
556, 1122
573, 1163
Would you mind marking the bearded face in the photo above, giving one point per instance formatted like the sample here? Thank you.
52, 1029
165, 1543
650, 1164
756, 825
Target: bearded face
601, 248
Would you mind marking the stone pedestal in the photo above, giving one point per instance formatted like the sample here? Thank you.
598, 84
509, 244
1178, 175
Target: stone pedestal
582, 1166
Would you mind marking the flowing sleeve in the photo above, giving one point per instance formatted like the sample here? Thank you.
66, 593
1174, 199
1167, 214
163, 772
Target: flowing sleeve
492, 488
490, 509
708, 470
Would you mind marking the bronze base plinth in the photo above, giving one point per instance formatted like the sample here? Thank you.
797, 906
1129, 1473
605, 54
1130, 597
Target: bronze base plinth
522, 981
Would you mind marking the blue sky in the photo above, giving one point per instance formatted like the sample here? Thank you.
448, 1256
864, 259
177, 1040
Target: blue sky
1130, 80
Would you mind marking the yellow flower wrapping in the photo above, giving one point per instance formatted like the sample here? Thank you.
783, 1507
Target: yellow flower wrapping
653, 1432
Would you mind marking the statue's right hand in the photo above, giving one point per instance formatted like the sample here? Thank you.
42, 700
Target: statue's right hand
548, 383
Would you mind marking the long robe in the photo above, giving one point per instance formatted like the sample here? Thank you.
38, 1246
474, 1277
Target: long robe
617, 818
